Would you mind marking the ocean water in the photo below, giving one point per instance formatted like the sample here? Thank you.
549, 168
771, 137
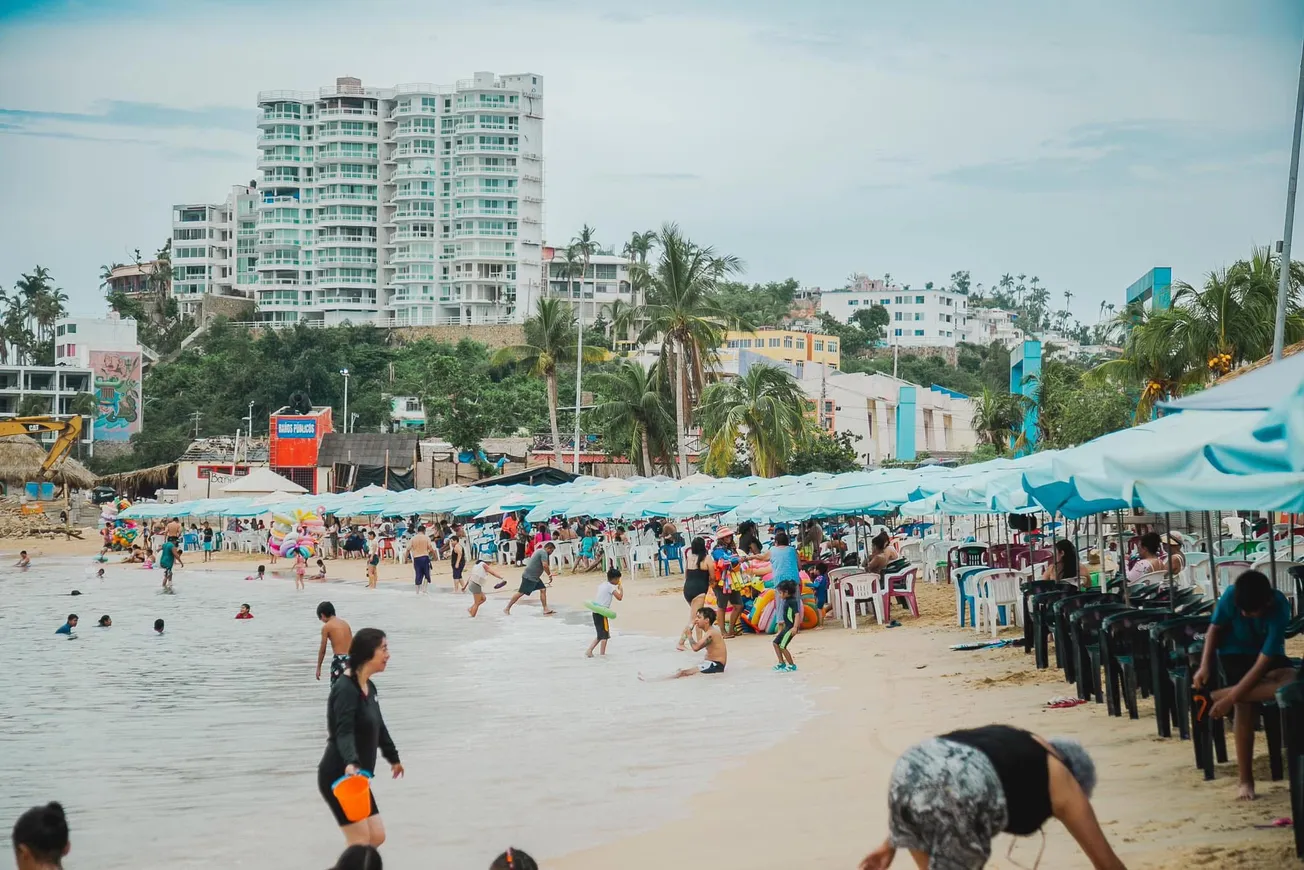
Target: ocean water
199, 748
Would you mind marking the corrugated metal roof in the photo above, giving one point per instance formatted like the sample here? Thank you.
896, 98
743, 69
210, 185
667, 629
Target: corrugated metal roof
367, 449
219, 449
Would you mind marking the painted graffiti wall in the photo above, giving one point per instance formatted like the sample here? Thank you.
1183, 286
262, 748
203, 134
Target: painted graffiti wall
117, 383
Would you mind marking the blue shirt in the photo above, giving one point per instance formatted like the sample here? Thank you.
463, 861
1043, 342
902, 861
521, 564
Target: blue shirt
1244, 635
784, 562
64, 629
720, 553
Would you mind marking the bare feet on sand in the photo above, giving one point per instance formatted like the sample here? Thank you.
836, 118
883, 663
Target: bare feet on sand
1245, 791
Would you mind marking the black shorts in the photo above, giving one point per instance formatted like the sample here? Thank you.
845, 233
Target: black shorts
734, 598
782, 634
421, 569
711, 668
1236, 665
325, 779
603, 626
530, 585
457, 572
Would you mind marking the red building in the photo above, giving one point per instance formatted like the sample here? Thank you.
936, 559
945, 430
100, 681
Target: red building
294, 441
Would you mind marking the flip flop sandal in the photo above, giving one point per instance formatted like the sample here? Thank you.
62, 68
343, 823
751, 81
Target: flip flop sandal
1277, 823
1063, 703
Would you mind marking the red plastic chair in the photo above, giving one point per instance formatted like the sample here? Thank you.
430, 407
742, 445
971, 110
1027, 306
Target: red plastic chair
901, 586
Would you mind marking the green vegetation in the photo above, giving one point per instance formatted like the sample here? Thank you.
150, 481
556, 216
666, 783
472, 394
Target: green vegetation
159, 324
27, 318
762, 412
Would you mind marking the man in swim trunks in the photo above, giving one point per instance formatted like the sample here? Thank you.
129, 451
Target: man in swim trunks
532, 579
420, 549
173, 530
340, 635
717, 654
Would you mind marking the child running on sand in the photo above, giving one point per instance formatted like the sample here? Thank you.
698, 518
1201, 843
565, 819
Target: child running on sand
481, 571
300, 568
788, 619
608, 590
717, 654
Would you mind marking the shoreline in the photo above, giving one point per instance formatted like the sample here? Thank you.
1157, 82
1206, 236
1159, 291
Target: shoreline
875, 692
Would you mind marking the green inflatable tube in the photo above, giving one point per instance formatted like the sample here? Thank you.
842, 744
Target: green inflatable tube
600, 610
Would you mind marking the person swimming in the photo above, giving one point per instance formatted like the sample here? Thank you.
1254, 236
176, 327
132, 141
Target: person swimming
158, 626
99, 575
245, 612
68, 625
105, 621
24, 561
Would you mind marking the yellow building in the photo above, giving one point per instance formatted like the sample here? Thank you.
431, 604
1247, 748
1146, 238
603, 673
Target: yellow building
786, 345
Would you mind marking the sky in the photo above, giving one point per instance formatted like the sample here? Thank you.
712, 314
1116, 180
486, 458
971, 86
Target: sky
1082, 143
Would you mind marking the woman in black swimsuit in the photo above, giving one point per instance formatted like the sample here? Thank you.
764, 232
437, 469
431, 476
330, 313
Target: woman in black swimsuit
355, 730
950, 796
699, 573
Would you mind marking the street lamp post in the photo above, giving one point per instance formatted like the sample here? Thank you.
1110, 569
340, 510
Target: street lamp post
1283, 281
345, 374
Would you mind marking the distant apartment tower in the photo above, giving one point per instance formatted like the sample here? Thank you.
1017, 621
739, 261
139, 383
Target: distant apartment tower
205, 258
930, 317
417, 204
606, 281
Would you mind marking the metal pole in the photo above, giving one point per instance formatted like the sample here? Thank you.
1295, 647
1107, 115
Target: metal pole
579, 367
1172, 592
346, 404
1213, 565
1122, 557
1283, 283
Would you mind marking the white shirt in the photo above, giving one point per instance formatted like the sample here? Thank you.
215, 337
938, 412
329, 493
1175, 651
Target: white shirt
605, 595
478, 573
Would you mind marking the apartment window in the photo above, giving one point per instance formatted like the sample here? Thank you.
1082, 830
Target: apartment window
819, 345
896, 315
801, 344
919, 315
898, 332
898, 300
853, 302
774, 342
787, 341
919, 300
946, 300
606, 271
59, 330
833, 346
885, 301
747, 342
919, 332
70, 350
733, 342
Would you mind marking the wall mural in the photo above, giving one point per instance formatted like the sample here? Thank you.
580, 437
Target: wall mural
117, 383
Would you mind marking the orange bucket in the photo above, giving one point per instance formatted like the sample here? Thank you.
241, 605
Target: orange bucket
354, 795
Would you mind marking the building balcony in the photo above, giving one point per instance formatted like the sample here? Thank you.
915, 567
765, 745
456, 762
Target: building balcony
329, 155
346, 260
266, 140
412, 110
326, 197
344, 240
408, 130
359, 301
488, 234
346, 220
275, 117
477, 169
279, 262
406, 172
479, 148
409, 195
329, 175
345, 281
477, 211
413, 257
408, 234
280, 179
416, 215
346, 112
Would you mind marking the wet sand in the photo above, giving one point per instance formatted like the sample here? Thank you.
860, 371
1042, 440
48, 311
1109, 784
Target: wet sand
879, 691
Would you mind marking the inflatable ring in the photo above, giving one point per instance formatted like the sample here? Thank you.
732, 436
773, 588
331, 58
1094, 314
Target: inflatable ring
600, 610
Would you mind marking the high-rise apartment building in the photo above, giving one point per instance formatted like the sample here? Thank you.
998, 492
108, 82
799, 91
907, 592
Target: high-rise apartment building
206, 255
410, 205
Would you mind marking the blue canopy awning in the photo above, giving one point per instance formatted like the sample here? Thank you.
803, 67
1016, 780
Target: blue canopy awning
1258, 390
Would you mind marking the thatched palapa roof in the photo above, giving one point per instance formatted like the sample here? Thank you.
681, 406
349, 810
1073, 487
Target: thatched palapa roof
20, 462
142, 481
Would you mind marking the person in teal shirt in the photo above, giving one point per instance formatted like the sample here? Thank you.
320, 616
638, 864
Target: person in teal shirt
167, 559
68, 626
1248, 632
782, 558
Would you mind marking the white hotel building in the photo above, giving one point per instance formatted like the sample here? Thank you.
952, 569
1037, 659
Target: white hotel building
917, 317
412, 205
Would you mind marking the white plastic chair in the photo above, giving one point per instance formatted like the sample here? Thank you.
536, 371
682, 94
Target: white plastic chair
1197, 572
835, 588
859, 589
615, 552
564, 554
506, 552
913, 550
995, 590
642, 554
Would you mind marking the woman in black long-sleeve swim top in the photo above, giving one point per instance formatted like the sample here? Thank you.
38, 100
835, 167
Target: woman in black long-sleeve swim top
355, 731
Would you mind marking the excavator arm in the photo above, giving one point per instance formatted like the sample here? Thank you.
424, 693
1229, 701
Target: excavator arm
69, 431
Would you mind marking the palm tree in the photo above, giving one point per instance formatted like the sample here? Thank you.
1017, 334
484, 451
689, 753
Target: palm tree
106, 272
621, 315
550, 341
682, 310
634, 407
1152, 362
582, 246
764, 408
997, 416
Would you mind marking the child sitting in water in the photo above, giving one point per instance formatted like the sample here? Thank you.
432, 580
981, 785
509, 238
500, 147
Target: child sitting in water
608, 590
245, 612
23, 560
717, 653
321, 571
514, 859
99, 575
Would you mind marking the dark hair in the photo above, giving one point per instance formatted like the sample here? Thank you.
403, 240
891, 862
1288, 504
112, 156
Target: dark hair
514, 859
1253, 592
105, 620
245, 607
707, 613
359, 858
43, 832
881, 540
698, 546
1078, 761
262, 567
788, 588
613, 573
71, 617
325, 609
1151, 542
781, 539
158, 625
1066, 549
549, 546
364, 646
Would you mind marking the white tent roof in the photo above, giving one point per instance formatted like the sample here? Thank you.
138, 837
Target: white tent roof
262, 481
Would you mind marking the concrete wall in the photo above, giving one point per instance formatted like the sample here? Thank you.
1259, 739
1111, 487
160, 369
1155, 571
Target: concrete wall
235, 308
493, 336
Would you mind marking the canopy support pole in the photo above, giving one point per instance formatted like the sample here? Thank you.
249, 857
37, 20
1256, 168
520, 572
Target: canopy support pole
1213, 566
1122, 559
1168, 547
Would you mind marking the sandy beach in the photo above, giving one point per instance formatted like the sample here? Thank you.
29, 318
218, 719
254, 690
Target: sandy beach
878, 691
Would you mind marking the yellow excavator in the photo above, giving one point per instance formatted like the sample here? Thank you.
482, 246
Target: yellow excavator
69, 431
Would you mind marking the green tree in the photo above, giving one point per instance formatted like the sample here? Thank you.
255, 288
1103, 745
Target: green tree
832, 453
684, 312
764, 410
34, 406
633, 410
997, 416
763, 304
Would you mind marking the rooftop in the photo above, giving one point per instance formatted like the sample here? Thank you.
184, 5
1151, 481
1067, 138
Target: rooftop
396, 450
222, 448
